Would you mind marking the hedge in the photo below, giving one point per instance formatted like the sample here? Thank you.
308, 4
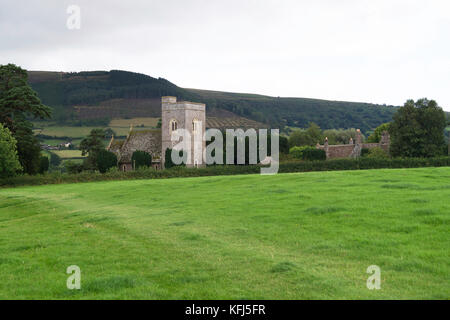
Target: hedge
288, 167
308, 153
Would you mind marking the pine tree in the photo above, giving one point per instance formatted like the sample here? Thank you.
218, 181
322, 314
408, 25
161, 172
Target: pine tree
18, 102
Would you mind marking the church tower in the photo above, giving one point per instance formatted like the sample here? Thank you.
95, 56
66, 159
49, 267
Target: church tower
183, 115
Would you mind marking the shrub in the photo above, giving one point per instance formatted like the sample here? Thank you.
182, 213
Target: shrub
364, 152
311, 154
113, 170
55, 160
106, 160
375, 137
9, 160
168, 161
43, 164
141, 159
308, 153
73, 167
377, 153
296, 152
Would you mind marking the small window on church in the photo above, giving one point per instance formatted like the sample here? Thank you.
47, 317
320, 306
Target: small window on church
195, 125
173, 125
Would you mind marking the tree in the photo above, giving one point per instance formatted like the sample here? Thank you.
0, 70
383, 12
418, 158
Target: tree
55, 160
340, 136
141, 159
315, 133
168, 161
417, 130
28, 147
43, 164
18, 102
375, 137
9, 160
299, 138
92, 145
106, 160
308, 137
109, 133
17, 98
284, 145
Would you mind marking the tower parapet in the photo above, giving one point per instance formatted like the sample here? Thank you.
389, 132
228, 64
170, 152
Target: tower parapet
169, 99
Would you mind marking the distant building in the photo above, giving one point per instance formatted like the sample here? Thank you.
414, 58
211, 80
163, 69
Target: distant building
48, 147
353, 149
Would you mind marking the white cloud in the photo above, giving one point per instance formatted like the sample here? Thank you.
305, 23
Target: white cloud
360, 50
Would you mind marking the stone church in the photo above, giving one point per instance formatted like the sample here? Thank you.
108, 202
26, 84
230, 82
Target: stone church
189, 116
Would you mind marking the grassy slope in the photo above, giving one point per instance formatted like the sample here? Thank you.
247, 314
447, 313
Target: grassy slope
293, 236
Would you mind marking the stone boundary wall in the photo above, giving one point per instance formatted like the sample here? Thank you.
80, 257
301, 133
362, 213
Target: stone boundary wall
353, 149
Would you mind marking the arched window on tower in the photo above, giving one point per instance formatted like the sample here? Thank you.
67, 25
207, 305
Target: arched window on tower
173, 125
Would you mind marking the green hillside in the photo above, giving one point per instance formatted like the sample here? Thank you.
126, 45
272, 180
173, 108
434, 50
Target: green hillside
298, 112
119, 94
288, 236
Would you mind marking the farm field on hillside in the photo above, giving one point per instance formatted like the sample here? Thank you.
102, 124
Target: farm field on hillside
288, 236
76, 132
67, 154
147, 122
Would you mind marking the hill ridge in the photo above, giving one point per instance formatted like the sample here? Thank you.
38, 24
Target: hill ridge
101, 91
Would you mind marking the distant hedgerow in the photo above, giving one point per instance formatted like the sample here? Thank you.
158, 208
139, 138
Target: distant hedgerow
176, 172
308, 153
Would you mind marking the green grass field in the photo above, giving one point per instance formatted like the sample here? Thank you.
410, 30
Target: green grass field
56, 142
289, 236
67, 154
125, 123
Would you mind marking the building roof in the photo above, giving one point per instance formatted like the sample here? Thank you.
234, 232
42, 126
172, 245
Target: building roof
137, 140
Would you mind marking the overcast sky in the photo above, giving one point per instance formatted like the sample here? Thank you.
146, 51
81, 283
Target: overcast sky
356, 50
